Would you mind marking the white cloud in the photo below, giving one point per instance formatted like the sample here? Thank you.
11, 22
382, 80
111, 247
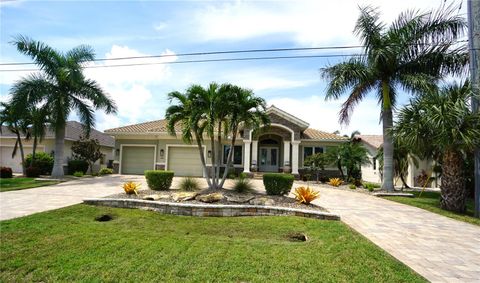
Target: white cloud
323, 115
160, 26
306, 22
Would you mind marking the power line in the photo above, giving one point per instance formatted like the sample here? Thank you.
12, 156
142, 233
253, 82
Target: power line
204, 61
224, 52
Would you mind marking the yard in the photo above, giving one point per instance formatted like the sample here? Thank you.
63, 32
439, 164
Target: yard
431, 201
69, 245
20, 183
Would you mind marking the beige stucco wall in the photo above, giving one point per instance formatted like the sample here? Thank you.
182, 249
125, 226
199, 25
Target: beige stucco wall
368, 173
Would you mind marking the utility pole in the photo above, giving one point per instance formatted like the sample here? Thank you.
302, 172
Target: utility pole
474, 47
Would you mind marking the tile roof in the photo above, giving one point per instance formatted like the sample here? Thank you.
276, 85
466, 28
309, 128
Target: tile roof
314, 134
73, 131
373, 140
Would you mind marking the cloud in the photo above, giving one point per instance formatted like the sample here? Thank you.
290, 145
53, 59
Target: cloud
160, 26
323, 115
307, 23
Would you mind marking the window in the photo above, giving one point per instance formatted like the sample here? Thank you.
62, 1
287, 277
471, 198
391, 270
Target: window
374, 162
237, 154
309, 150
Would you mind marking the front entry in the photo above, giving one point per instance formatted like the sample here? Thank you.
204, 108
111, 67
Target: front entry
268, 159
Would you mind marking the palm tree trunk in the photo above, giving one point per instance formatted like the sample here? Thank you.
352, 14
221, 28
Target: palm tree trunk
22, 153
34, 150
214, 164
387, 123
57, 171
452, 184
229, 158
202, 159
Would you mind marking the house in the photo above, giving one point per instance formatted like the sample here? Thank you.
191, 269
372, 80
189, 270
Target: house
280, 147
371, 172
73, 131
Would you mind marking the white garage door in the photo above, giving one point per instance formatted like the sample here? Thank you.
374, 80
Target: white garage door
185, 161
136, 159
15, 163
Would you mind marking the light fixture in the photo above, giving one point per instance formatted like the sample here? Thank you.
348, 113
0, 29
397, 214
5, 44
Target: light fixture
209, 154
162, 152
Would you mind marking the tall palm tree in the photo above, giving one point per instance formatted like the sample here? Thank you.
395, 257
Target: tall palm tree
412, 55
442, 121
61, 87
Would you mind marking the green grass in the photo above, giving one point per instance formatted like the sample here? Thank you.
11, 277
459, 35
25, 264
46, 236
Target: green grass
20, 183
431, 201
68, 245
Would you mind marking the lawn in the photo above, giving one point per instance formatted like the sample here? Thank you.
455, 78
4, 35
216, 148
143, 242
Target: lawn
68, 245
20, 183
431, 201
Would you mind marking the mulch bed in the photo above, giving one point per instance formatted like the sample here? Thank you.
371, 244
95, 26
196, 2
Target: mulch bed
281, 201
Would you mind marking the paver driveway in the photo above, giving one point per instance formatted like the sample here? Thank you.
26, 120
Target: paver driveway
439, 248
25, 202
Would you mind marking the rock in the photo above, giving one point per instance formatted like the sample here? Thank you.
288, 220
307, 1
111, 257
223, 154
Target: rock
297, 237
239, 199
214, 197
152, 197
262, 201
184, 196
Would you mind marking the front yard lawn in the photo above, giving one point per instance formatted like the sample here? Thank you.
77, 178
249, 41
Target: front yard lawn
431, 201
68, 245
20, 183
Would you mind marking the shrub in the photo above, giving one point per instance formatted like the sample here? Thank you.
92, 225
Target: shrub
352, 187
278, 183
305, 195
159, 179
131, 188
78, 174
105, 171
32, 172
370, 186
355, 181
243, 175
6, 172
242, 185
77, 165
370, 189
189, 184
335, 182
43, 161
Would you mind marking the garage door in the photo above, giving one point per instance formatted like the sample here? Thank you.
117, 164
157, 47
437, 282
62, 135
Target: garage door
185, 161
15, 163
136, 159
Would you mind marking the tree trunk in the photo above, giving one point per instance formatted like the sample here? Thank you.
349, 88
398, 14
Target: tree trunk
452, 184
229, 158
387, 123
202, 159
214, 162
22, 153
57, 171
34, 150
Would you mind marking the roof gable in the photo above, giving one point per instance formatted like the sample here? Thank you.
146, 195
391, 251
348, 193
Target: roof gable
287, 116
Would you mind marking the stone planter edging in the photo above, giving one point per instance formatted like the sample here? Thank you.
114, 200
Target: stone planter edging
218, 210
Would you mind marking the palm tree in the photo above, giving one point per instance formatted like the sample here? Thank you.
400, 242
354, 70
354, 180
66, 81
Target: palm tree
37, 128
412, 55
61, 87
442, 121
15, 121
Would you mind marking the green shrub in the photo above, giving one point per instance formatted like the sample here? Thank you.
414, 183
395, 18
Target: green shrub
77, 165
242, 185
32, 172
370, 189
352, 187
105, 171
243, 175
159, 179
189, 184
6, 172
371, 186
43, 161
278, 183
78, 174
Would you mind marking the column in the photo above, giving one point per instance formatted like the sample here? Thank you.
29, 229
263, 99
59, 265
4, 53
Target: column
246, 158
286, 153
295, 157
255, 153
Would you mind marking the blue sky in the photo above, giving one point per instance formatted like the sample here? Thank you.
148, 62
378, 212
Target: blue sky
128, 28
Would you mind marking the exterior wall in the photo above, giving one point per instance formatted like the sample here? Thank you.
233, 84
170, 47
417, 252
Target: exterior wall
307, 143
368, 173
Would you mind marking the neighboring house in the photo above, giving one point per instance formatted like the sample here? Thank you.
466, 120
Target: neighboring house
371, 173
282, 146
73, 131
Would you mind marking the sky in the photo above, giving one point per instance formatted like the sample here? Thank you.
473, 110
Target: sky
137, 28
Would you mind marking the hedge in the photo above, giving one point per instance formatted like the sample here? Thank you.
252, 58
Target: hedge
159, 179
278, 183
43, 161
76, 166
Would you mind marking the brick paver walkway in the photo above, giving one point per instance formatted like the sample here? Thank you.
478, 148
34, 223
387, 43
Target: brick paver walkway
439, 248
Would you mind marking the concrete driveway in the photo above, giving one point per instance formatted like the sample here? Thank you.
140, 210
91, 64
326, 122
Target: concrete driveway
25, 202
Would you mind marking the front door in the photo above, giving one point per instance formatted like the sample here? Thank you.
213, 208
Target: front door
268, 159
